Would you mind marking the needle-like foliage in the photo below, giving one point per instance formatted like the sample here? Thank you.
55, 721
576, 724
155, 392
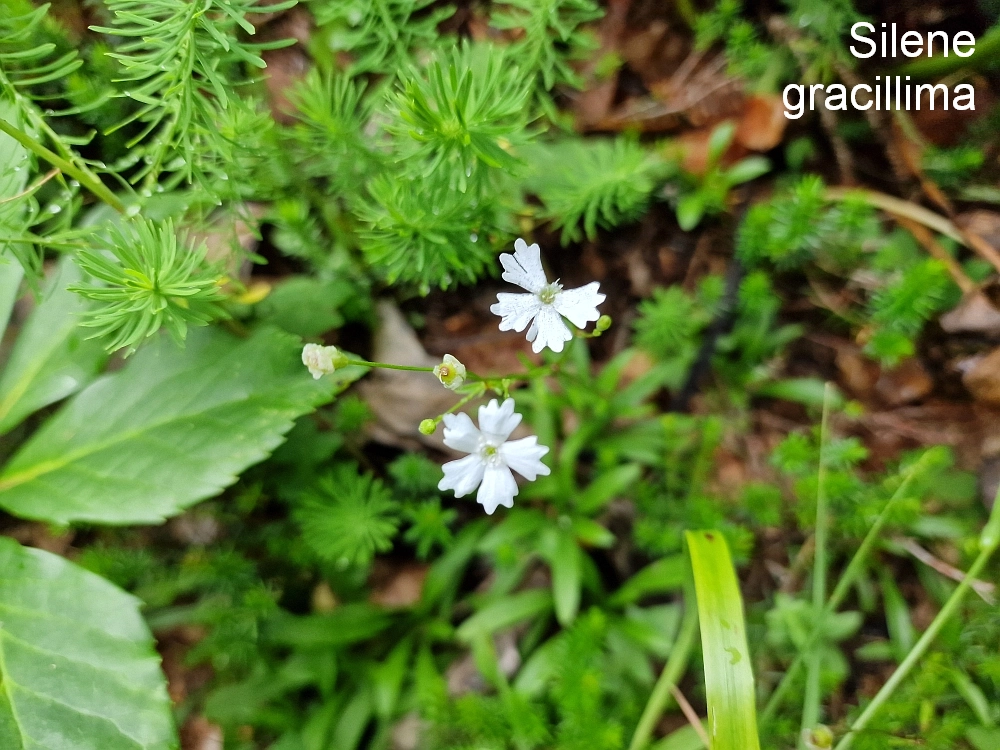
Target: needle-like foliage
151, 278
593, 183
181, 62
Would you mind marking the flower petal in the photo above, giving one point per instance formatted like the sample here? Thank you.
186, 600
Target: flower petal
524, 267
515, 310
497, 422
580, 305
498, 488
524, 455
548, 330
463, 475
460, 433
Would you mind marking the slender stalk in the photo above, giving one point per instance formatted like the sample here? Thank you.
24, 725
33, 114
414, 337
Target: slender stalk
81, 174
847, 579
387, 366
810, 705
988, 543
680, 654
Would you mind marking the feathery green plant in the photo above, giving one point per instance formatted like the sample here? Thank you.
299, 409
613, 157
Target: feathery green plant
181, 62
157, 278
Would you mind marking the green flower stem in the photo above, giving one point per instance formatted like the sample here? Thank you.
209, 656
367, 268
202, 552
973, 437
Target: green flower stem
847, 579
81, 174
988, 542
387, 366
811, 703
680, 654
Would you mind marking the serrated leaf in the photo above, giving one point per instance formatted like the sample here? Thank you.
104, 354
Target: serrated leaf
51, 358
174, 427
77, 664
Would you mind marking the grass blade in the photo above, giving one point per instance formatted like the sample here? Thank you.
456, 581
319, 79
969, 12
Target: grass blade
729, 687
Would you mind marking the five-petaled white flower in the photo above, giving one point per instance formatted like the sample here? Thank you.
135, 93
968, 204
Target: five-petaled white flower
491, 456
546, 305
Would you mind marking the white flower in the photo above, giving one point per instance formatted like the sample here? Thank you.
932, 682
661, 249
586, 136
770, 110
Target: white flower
450, 372
546, 305
322, 360
491, 456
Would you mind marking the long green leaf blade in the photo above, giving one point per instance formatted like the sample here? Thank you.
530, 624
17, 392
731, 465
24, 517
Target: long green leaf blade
732, 713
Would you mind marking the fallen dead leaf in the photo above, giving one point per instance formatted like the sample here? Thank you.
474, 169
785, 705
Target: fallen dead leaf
401, 399
396, 585
983, 378
974, 314
905, 383
762, 123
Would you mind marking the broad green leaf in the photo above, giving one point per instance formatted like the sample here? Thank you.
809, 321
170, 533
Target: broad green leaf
77, 666
51, 359
729, 688
504, 612
174, 427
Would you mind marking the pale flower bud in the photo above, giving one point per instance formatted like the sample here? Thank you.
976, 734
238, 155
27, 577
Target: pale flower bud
322, 360
450, 372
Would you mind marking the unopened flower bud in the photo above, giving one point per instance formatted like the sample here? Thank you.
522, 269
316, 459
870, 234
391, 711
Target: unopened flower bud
322, 360
450, 372
603, 323
428, 426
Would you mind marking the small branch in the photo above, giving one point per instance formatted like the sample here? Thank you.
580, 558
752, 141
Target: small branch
81, 174
690, 715
985, 589
29, 190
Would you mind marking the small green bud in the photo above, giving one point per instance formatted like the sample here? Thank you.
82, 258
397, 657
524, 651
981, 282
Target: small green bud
428, 426
603, 323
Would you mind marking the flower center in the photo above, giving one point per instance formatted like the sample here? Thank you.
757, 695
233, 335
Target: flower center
549, 292
445, 372
490, 455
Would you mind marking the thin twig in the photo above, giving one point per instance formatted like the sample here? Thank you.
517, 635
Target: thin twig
898, 207
690, 714
29, 190
985, 589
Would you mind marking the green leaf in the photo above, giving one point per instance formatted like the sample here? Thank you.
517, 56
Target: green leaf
504, 612
10, 282
747, 169
606, 486
174, 427
51, 359
690, 209
729, 686
567, 572
77, 664
808, 391
348, 623
685, 738
666, 574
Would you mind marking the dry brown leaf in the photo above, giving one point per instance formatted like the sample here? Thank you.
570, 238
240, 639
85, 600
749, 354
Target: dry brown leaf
397, 585
983, 378
401, 399
762, 124
905, 383
974, 314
